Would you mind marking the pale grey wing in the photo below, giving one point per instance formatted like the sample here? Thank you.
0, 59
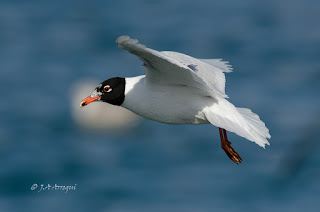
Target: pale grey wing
219, 63
211, 70
165, 69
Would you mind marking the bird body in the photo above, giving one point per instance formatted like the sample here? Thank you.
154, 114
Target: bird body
166, 104
180, 89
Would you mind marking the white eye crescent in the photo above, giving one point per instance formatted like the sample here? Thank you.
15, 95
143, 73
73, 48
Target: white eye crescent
107, 88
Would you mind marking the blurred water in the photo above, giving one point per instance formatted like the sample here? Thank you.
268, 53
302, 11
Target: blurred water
47, 46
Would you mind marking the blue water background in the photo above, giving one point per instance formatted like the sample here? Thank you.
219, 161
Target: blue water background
47, 46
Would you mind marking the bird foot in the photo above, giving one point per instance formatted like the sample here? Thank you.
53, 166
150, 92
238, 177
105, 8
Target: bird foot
232, 154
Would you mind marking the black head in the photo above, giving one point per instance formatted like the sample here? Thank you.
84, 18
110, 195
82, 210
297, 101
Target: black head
110, 91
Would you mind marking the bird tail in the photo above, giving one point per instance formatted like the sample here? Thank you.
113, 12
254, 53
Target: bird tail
257, 127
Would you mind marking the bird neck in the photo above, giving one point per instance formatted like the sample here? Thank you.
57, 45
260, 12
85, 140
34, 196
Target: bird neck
132, 82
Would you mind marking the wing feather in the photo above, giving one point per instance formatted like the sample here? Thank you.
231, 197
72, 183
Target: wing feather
219, 63
211, 74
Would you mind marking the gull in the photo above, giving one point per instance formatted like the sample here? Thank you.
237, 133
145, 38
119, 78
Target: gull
180, 89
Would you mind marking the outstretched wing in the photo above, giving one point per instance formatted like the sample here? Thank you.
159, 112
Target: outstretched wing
174, 68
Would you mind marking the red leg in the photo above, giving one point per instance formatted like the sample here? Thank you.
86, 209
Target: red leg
221, 136
226, 146
225, 134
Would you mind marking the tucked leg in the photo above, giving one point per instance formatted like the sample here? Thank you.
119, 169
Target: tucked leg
226, 146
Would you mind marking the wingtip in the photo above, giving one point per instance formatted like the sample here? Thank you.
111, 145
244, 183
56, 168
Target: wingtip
122, 39
125, 42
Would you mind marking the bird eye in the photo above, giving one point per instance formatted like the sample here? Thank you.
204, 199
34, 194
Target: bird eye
107, 88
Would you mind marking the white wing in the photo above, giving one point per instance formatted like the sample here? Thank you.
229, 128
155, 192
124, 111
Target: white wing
177, 69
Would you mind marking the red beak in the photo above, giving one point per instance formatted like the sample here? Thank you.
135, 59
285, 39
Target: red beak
88, 100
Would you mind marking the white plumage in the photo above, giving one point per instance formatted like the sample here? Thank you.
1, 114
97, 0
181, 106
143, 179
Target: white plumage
180, 89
